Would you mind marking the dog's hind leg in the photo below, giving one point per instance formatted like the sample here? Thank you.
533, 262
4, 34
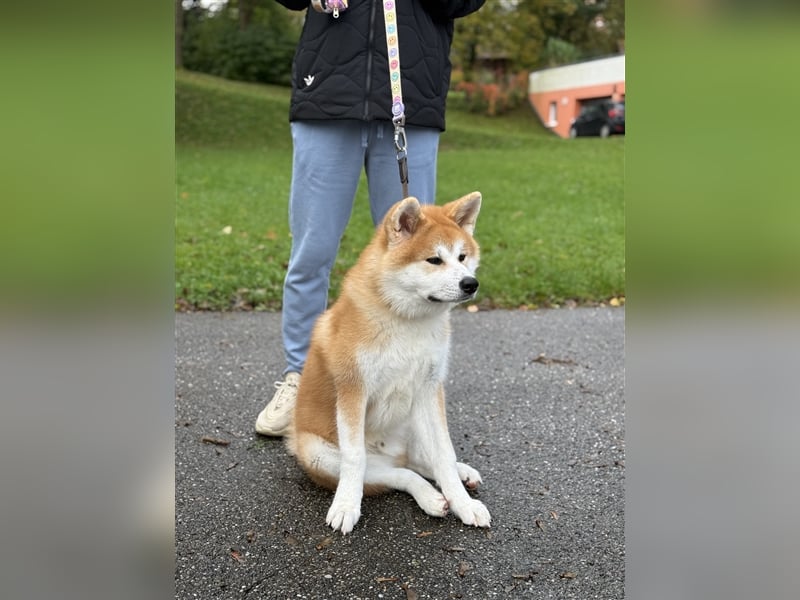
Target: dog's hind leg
319, 458
470, 477
322, 462
380, 472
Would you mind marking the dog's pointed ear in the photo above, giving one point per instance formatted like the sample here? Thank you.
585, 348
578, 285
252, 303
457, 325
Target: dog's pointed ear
403, 219
464, 211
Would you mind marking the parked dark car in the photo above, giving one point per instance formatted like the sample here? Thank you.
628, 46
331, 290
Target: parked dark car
602, 118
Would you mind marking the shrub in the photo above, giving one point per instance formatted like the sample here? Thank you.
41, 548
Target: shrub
492, 98
255, 54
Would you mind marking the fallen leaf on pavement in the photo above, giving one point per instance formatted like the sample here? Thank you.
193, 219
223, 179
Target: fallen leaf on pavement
543, 359
568, 575
212, 440
324, 543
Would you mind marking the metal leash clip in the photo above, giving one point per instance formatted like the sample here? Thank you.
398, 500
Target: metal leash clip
400, 142
333, 7
401, 145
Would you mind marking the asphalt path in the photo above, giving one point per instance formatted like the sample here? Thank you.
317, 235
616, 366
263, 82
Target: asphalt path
535, 403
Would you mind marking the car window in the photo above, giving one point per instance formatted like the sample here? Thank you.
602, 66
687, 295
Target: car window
588, 112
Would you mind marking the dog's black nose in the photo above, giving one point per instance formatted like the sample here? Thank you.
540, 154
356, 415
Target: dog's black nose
468, 285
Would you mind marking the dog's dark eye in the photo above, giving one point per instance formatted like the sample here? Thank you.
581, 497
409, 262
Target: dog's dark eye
434, 260
462, 257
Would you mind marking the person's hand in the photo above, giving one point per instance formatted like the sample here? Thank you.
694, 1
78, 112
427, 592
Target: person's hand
330, 6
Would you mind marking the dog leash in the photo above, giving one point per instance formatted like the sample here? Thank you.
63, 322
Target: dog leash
398, 109
335, 7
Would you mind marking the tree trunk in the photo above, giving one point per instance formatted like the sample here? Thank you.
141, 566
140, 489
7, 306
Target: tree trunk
178, 35
246, 10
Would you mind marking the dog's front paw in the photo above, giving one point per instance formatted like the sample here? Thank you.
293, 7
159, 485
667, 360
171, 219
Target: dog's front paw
469, 476
474, 513
343, 516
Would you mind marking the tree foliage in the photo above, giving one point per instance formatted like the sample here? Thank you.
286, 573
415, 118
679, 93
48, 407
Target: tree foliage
558, 52
531, 34
246, 40
254, 40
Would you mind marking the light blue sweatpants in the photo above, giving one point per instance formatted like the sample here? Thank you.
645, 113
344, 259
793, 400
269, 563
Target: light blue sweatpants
327, 162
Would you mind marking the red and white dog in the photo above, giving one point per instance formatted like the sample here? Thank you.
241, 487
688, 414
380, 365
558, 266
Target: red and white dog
370, 411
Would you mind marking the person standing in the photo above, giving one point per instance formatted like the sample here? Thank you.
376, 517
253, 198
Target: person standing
341, 122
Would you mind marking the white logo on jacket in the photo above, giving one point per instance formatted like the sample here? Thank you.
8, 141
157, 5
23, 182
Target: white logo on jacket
309, 79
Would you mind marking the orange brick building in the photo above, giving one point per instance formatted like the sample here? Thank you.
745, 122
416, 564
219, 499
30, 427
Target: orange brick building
557, 94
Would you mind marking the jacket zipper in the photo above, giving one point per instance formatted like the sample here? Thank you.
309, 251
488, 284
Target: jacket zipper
370, 49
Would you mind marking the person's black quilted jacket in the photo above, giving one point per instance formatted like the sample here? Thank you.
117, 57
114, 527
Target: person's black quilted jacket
340, 69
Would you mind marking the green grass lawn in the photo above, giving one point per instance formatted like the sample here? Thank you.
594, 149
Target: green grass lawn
551, 227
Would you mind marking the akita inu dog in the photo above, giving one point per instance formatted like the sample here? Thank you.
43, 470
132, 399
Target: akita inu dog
370, 412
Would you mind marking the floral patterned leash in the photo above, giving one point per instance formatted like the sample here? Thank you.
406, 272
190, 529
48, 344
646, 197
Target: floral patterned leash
398, 109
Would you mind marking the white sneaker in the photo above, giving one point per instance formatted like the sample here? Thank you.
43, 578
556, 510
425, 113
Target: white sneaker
277, 415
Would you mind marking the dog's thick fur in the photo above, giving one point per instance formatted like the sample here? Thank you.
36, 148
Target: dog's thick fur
370, 411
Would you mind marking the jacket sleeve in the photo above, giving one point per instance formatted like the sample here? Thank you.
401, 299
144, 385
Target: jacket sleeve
444, 10
295, 4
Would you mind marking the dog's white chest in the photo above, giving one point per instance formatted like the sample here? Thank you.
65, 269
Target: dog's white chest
403, 368
404, 355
